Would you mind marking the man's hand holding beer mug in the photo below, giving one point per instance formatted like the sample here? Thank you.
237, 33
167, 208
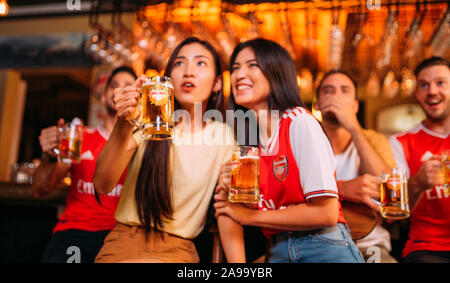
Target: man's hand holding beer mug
362, 189
63, 141
398, 196
430, 175
50, 138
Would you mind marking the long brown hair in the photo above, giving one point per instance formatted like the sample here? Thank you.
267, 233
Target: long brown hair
153, 187
277, 66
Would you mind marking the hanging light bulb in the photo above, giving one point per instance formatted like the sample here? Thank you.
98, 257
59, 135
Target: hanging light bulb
306, 84
408, 83
390, 86
373, 85
143, 43
92, 45
4, 8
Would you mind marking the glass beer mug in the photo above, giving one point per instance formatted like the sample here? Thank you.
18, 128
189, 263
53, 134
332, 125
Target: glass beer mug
69, 148
156, 121
244, 175
445, 155
394, 194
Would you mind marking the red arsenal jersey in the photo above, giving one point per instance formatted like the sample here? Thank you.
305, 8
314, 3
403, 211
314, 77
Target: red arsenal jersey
297, 164
82, 210
430, 220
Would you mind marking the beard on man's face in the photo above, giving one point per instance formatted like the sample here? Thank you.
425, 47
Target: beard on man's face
330, 117
437, 118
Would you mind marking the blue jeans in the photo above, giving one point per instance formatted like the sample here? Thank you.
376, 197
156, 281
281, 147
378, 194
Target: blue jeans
327, 245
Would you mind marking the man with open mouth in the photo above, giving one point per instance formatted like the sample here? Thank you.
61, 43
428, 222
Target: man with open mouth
419, 151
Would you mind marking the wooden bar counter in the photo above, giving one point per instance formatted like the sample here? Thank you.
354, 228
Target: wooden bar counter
21, 193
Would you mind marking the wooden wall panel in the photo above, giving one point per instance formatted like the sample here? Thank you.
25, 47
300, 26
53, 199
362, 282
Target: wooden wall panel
13, 92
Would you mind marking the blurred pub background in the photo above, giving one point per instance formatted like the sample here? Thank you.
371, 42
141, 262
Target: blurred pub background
55, 56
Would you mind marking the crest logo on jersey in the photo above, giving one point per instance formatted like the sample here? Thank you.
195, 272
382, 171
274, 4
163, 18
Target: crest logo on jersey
426, 156
87, 155
280, 167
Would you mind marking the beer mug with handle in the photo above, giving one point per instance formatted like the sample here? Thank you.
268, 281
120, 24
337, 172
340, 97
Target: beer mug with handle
156, 122
445, 155
394, 194
244, 175
69, 148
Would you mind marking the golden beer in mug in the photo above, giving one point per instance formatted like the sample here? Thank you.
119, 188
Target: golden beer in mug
157, 109
394, 195
69, 149
446, 169
244, 175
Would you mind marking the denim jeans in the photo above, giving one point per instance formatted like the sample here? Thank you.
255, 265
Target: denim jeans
327, 245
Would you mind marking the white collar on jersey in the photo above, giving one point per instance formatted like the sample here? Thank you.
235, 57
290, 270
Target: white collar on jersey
421, 126
103, 132
272, 140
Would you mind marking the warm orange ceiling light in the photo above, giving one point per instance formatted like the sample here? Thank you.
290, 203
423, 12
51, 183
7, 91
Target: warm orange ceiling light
4, 8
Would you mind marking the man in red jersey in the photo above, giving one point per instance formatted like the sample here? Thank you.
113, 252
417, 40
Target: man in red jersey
85, 221
418, 151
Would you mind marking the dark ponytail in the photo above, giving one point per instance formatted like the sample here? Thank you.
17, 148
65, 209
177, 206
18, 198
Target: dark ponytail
153, 194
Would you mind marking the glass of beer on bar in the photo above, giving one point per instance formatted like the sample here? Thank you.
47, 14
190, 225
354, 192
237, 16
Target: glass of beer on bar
69, 149
156, 121
446, 169
244, 175
394, 194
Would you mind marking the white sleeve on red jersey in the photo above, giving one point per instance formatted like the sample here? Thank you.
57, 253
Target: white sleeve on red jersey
399, 154
314, 157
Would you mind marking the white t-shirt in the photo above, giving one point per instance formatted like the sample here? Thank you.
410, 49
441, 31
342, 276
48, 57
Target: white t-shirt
195, 167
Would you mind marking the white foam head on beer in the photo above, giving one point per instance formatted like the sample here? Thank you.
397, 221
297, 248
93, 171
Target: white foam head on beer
146, 83
77, 121
249, 157
151, 83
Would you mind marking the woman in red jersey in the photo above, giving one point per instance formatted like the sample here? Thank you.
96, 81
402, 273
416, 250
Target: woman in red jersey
299, 210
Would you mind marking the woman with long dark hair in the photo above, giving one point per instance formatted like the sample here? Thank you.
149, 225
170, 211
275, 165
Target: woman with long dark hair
299, 210
169, 183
